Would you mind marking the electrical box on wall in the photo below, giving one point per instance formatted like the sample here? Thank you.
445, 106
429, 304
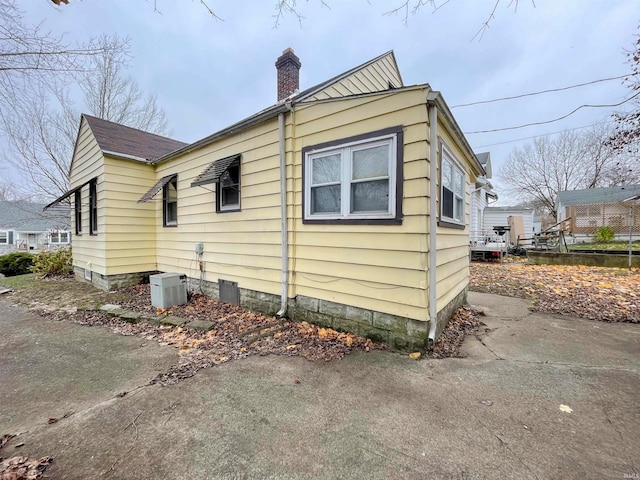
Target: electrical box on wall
199, 248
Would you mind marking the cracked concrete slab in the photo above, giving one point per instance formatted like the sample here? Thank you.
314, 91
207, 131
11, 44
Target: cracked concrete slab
49, 368
377, 415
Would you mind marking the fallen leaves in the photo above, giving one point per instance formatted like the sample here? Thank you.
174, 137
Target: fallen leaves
23, 468
237, 333
466, 321
596, 293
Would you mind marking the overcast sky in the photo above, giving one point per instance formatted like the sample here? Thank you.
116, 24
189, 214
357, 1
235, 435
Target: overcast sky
208, 74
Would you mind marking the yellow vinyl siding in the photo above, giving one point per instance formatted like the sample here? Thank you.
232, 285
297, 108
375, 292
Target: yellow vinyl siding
242, 246
378, 267
373, 78
453, 244
85, 165
129, 233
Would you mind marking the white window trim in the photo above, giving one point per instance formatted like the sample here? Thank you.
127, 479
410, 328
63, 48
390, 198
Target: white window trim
59, 233
345, 179
6, 238
448, 156
230, 207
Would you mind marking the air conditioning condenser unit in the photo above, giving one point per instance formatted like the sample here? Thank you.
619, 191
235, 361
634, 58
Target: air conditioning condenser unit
168, 289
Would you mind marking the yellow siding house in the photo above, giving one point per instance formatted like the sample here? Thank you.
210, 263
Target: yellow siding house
346, 204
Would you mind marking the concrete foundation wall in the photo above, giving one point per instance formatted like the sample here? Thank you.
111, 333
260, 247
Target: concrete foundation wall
397, 332
112, 282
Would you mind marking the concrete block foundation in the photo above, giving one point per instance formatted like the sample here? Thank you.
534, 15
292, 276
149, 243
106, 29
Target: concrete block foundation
399, 333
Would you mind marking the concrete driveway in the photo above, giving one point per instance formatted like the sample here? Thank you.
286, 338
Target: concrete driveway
495, 414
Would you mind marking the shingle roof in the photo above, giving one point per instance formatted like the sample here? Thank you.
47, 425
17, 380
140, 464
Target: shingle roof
598, 195
29, 217
120, 139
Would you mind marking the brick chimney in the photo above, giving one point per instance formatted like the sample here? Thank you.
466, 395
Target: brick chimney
288, 66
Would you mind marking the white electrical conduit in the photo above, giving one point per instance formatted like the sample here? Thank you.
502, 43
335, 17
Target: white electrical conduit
283, 207
433, 216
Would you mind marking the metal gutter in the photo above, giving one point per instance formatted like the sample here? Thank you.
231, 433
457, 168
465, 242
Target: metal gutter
283, 217
259, 117
125, 156
433, 217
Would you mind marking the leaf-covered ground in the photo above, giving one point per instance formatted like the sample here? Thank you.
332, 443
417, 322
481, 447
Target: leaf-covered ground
237, 333
596, 293
21, 467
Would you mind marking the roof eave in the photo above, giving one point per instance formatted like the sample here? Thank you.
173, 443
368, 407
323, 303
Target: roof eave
124, 156
260, 117
435, 98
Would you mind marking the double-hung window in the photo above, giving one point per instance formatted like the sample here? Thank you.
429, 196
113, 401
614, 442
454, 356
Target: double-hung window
6, 237
170, 202
354, 180
452, 192
228, 189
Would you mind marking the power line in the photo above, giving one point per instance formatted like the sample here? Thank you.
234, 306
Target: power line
555, 119
541, 92
545, 134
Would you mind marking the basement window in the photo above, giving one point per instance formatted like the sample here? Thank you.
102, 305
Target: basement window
452, 190
354, 180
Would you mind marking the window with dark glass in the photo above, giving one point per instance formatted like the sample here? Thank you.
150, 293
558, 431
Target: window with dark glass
228, 190
170, 202
77, 205
93, 207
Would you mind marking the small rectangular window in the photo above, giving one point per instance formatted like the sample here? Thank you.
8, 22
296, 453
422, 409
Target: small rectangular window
170, 203
453, 189
77, 205
228, 189
93, 207
55, 238
4, 237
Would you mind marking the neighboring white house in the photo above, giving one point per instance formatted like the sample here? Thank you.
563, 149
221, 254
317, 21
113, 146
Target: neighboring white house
482, 195
499, 216
25, 227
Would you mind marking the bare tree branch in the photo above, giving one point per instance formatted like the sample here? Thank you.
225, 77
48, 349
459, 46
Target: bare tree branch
38, 118
541, 169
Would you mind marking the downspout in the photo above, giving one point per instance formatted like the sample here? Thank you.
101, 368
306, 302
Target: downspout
283, 215
433, 216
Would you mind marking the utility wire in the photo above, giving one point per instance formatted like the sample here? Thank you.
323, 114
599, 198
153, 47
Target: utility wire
544, 134
542, 91
555, 119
